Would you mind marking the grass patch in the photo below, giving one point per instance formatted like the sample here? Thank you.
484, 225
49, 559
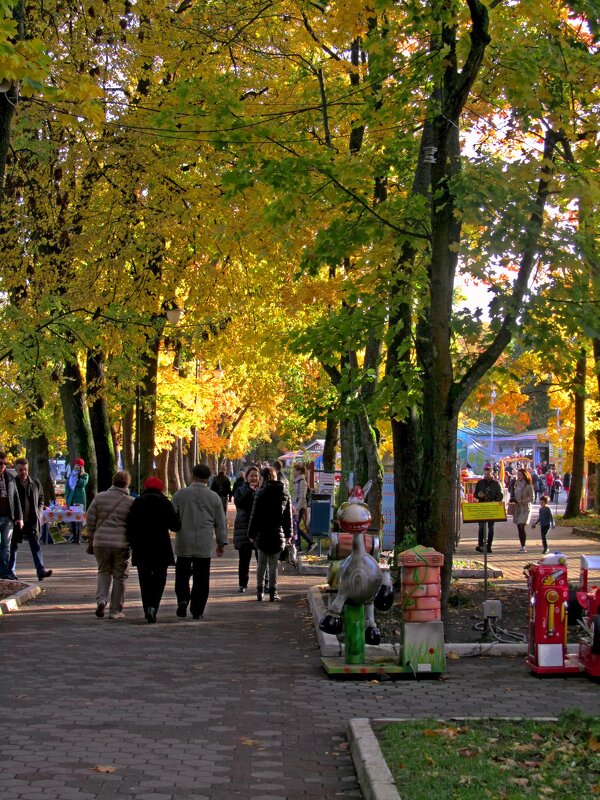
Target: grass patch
466, 563
491, 758
589, 521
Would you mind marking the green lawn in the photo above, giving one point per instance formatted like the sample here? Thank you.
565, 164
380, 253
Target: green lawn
496, 759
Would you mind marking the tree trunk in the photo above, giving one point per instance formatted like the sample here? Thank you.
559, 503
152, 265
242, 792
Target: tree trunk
38, 455
181, 459
128, 447
360, 464
575, 492
99, 421
147, 415
80, 442
187, 466
173, 470
162, 467
406, 441
9, 100
374, 470
347, 452
330, 446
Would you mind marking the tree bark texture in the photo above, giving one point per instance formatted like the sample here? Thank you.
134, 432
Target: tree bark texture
330, 446
173, 469
128, 444
162, 467
38, 455
99, 420
147, 415
80, 441
576, 490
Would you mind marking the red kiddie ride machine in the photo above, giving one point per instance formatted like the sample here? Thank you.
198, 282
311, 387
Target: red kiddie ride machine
549, 617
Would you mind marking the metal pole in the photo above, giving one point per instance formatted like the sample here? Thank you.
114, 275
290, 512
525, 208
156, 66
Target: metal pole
492, 432
138, 414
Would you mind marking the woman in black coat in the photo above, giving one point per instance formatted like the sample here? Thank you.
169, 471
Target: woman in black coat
151, 518
270, 529
243, 499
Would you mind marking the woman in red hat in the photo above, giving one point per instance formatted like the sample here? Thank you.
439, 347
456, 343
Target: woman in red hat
151, 518
75, 494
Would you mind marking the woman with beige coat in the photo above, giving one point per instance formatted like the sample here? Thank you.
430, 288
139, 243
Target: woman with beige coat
523, 496
107, 529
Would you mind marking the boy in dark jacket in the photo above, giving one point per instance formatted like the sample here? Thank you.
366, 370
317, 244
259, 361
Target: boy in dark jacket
546, 521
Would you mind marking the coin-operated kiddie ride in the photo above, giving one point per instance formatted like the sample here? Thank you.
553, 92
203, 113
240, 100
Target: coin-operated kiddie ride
549, 617
362, 586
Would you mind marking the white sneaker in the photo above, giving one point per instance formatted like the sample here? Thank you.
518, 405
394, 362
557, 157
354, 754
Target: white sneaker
116, 615
522, 549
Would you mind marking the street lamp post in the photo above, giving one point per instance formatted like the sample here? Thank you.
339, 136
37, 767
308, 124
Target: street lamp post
492, 431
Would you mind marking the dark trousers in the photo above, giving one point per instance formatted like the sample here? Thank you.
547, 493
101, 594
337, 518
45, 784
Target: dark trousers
245, 554
481, 534
152, 585
36, 552
198, 569
544, 531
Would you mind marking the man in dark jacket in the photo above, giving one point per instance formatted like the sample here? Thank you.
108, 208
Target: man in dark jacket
11, 516
222, 486
31, 497
487, 490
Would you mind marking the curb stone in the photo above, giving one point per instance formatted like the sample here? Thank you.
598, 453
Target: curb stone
585, 532
13, 602
374, 776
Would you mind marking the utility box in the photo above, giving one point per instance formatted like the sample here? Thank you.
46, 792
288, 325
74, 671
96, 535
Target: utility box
320, 514
492, 609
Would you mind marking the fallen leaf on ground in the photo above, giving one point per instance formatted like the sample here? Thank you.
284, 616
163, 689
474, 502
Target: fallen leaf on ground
105, 768
593, 743
466, 753
526, 747
519, 781
249, 742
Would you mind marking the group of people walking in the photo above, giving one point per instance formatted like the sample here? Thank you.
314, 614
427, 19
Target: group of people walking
124, 529
117, 524
488, 489
120, 527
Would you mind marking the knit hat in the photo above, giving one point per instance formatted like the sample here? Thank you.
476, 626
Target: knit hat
154, 483
79, 461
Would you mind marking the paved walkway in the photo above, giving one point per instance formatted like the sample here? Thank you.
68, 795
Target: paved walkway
236, 706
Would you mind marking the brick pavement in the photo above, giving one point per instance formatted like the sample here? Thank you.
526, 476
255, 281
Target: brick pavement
233, 707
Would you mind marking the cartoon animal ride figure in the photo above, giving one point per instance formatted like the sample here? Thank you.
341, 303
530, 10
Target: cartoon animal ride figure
360, 580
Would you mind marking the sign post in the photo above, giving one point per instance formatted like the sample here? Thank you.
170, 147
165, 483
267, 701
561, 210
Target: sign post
484, 512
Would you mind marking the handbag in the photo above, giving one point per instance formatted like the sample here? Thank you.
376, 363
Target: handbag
512, 508
288, 554
90, 545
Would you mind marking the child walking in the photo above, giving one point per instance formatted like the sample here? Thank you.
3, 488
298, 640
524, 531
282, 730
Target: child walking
546, 521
